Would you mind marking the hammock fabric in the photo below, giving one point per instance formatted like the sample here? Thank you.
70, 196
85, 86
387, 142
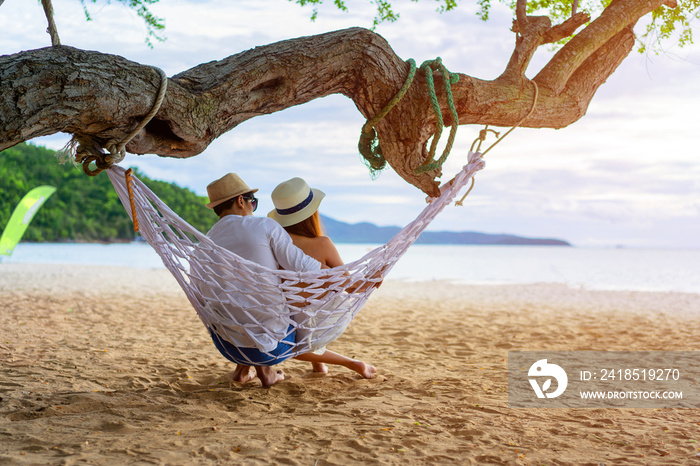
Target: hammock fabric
251, 306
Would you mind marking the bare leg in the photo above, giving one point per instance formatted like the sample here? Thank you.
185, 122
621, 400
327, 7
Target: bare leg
329, 357
268, 375
243, 374
319, 367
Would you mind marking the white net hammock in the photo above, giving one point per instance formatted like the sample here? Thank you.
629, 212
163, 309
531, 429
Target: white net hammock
251, 306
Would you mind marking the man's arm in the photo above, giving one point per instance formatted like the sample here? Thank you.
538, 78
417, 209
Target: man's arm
287, 254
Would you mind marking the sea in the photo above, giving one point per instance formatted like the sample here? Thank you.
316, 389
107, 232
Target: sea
661, 270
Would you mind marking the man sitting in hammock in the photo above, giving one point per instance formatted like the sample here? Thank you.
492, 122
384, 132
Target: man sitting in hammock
263, 241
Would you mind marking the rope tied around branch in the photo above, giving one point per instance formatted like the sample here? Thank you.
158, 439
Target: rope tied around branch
369, 146
448, 79
86, 150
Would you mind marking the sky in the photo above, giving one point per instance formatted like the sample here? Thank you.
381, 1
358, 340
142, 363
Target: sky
626, 175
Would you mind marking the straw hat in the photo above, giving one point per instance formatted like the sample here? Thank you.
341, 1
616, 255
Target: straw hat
294, 201
225, 188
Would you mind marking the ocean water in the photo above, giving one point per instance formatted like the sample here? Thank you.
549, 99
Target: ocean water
596, 269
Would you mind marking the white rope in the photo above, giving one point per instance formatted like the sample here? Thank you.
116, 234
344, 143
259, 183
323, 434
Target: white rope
117, 150
249, 305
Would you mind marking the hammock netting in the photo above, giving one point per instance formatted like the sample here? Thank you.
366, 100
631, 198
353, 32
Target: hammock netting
251, 306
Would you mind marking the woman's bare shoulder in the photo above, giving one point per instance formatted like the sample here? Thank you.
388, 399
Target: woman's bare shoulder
324, 240
316, 242
329, 251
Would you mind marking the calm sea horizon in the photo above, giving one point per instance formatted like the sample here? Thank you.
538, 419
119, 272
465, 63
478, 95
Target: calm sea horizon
590, 268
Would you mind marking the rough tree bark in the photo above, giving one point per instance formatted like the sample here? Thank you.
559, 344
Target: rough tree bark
63, 89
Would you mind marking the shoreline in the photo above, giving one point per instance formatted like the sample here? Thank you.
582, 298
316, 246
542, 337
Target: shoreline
111, 365
71, 275
592, 269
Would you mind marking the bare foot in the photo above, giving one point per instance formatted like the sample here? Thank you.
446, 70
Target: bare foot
243, 374
365, 370
329, 357
268, 376
319, 367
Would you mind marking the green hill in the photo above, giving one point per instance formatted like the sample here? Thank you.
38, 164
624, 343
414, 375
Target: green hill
84, 208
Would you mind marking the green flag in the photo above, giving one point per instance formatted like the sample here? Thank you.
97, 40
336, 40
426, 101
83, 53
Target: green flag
22, 216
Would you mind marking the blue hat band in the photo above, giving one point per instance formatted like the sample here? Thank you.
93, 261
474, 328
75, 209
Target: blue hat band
298, 207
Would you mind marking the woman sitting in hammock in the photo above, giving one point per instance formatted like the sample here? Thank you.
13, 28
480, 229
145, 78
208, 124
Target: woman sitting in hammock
296, 209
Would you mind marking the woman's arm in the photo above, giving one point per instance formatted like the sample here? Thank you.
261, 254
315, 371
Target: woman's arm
333, 260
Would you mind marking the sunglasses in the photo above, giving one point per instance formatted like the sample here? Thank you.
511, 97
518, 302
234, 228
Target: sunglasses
252, 199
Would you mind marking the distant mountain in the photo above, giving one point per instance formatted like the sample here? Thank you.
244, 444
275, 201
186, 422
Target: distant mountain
364, 232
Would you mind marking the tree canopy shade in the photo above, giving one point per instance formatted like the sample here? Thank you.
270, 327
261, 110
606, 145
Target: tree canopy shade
103, 97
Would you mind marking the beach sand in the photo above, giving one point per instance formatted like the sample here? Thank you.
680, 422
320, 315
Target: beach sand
112, 366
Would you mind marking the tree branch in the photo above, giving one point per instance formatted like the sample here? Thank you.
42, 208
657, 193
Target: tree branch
528, 38
521, 14
616, 17
52, 30
586, 80
62, 89
565, 29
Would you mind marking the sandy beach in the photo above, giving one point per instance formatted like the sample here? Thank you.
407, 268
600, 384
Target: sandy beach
110, 366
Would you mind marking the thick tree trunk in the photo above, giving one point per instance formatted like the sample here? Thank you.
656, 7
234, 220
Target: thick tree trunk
63, 89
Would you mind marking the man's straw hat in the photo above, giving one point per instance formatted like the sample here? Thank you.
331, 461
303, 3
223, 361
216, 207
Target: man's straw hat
294, 201
225, 188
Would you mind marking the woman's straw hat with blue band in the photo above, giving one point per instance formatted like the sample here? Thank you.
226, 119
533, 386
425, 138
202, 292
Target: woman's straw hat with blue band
294, 202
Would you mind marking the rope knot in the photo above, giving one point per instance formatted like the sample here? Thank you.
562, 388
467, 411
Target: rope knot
117, 152
86, 150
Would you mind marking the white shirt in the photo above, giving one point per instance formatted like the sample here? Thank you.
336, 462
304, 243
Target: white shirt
252, 312
261, 240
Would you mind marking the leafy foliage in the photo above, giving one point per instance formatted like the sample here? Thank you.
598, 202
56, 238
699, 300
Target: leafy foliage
385, 11
83, 208
666, 23
154, 25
